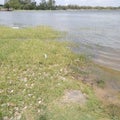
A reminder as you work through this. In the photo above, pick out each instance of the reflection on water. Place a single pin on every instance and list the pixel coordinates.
(97, 32)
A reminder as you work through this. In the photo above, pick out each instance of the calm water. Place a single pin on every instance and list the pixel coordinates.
(97, 33)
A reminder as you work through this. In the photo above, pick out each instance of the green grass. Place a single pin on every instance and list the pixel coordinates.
(35, 71)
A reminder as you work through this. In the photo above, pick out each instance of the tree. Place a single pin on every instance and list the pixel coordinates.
(51, 4)
(43, 5)
(7, 6)
(25, 1)
(14, 4)
(21, 4)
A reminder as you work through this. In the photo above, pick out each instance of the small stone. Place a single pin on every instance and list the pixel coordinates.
(25, 108)
(25, 79)
(45, 55)
(39, 102)
(32, 85)
(16, 108)
(38, 111)
(29, 95)
(1, 91)
(11, 91)
(59, 84)
(5, 118)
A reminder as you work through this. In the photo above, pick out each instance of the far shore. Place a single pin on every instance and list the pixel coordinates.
(68, 8)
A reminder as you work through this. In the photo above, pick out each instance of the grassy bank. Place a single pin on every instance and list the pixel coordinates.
(35, 72)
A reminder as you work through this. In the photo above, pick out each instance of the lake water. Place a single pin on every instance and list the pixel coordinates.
(96, 32)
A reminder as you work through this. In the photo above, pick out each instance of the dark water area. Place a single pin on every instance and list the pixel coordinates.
(96, 32)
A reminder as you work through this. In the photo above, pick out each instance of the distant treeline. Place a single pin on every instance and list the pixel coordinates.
(30, 5)
(46, 5)
(76, 7)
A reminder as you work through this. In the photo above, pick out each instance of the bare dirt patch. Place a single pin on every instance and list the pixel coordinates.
(107, 96)
(73, 96)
